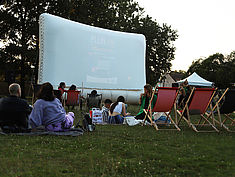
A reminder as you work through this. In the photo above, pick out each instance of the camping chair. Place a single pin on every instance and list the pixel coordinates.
(225, 108)
(166, 97)
(197, 104)
(94, 101)
(72, 98)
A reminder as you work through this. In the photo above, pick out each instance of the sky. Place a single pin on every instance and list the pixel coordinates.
(205, 27)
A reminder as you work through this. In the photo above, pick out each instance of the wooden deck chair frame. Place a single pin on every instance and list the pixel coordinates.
(192, 107)
(166, 97)
(72, 98)
(221, 122)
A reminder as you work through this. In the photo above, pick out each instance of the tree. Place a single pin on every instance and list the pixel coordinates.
(226, 72)
(217, 68)
(19, 30)
(159, 47)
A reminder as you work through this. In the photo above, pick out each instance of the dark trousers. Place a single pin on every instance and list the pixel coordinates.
(142, 116)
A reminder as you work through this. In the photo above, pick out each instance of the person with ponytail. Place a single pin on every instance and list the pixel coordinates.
(144, 101)
(117, 111)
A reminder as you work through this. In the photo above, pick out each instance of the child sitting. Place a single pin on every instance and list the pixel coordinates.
(105, 110)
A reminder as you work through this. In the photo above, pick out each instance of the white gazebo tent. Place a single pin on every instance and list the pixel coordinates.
(196, 80)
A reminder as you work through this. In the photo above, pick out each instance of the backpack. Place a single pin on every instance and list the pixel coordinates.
(87, 123)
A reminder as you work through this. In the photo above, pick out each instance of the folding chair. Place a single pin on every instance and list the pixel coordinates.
(94, 101)
(72, 98)
(225, 108)
(166, 97)
(197, 104)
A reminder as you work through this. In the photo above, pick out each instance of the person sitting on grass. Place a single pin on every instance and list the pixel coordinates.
(49, 112)
(117, 111)
(105, 110)
(14, 111)
(144, 101)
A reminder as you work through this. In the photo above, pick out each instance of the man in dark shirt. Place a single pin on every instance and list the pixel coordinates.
(14, 111)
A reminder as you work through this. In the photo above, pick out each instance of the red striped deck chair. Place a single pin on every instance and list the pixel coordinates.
(72, 98)
(166, 97)
(197, 104)
(224, 107)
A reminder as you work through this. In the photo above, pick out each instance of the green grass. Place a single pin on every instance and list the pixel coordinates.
(119, 150)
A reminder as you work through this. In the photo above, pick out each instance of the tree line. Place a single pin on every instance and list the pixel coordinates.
(19, 31)
(217, 68)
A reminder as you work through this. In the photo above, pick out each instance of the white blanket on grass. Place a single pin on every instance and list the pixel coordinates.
(131, 121)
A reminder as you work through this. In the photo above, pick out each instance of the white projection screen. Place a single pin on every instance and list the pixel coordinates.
(111, 62)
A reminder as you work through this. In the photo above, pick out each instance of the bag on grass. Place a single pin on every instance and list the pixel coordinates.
(87, 123)
(96, 116)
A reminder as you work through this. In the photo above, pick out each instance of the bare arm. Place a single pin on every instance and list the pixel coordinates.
(140, 100)
(124, 110)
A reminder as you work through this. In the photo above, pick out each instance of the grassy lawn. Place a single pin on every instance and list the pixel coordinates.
(119, 150)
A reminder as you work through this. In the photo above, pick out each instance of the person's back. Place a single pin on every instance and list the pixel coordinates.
(93, 100)
(117, 111)
(105, 110)
(118, 108)
(49, 112)
(14, 111)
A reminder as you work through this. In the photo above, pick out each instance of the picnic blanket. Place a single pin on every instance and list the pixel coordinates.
(72, 132)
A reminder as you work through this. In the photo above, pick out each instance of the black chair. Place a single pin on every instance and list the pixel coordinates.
(228, 106)
(94, 101)
(224, 106)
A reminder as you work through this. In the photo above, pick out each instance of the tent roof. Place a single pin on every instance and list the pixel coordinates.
(196, 80)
